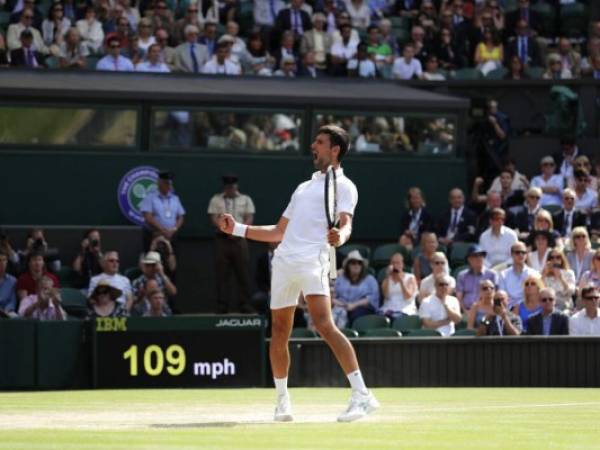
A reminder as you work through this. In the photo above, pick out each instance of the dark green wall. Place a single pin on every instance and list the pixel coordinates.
(81, 189)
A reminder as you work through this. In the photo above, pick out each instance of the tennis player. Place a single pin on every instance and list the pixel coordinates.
(301, 265)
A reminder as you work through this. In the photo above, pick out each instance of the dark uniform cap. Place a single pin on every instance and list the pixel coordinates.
(229, 179)
(166, 175)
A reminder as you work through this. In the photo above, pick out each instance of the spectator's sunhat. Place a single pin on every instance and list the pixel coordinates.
(355, 255)
(151, 258)
(226, 38)
(103, 287)
(547, 160)
(229, 178)
(476, 250)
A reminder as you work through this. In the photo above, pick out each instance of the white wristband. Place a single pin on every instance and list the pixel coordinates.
(239, 230)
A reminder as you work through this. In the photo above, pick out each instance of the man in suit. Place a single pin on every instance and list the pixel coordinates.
(532, 18)
(525, 219)
(317, 41)
(26, 56)
(458, 223)
(568, 217)
(191, 56)
(548, 322)
(524, 46)
(294, 19)
(407, 8)
(566, 157)
(308, 68)
(209, 38)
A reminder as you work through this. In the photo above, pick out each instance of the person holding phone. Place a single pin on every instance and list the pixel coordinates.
(399, 290)
(500, 322)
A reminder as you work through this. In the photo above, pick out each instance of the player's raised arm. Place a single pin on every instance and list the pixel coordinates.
(338, 236)
(265, 233)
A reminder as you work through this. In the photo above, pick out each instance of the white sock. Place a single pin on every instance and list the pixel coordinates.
(281, 386)
(356, 381)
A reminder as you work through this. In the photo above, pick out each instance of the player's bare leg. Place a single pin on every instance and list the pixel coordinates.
(282, 321)
(362, 401)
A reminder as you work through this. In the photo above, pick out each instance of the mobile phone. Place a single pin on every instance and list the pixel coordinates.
(497, 302)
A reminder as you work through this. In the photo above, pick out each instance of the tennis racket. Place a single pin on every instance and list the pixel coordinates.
(331, 214)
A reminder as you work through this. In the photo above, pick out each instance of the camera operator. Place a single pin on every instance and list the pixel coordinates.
(44, 304)
(490, 133)
(88, 261)
(501, 322)
(36, 243)
(164, 248)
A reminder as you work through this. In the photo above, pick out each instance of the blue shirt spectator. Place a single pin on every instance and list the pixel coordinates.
(467, 282)
(513, 278)
(113, 61)
(8, 296)
(162, 209)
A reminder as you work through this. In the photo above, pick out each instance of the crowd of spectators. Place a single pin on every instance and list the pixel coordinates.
(394, 39)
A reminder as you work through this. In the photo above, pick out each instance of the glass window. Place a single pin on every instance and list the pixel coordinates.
(396, 134)
(68, 126)
(247, 131)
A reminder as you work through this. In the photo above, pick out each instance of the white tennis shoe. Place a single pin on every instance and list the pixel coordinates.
(283, 410)
(360, 405)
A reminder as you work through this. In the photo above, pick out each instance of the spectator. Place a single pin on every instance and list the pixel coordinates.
(548, 321)
(489, 53)
(524, 46)
(492, 201)
(22, 6)
(113, 61)
(156, 305)
(221, 63)
(131, 12)
(422, 263)
(440, 311)
(380, 51)
(110, 274)
(287, 49)
(288, 67)
(308, 68)
(516, 69)
(294, 19)
(420, 44)
(72, 51)
(583, 162)
(90, 29)
(355, 289)
(8, 296)
(123, 32)
(36, 243)
(152, 269)
(526, 15)
(238, 46)
(457, 224)
(399, 290)
(153, 62)
(387, 37)
(550, 183)
(589, 65)
(317, 40)
(209, 38)
(167, 53)
(570, 59)
(133, 50)
(540, 249)
(512, 279)
(359, 13)
(361, 65)
(162, 210)
(501, 321)
(190, 18)
(342, 19)
(469, 281)
(232, 252)
(407, 8)
(594, 67)
(439, 264)
(164, 248)
(432, 72)
(14, 34)
(342, 51)
(103, 301)
(555, 69)
(484, 304)
(587, 321)
(415, 219)
(13, 256)
(508, 197)
(261, 298)
(585, 197)
(26, 55)
(145, 33)
(568, 217)
(497, 240)
(162, 17)
(543, 222)
(531, 299)
(581, 254)
(36, 269)
(519, 181)
(44, 304)
(566, 158)
(191, 56)
(265, 15)
(450, 55)
(591, 277)
(525, 219)
(88, 261)
(558, 276)
(55, 27)
(407, 67)
(257, 60)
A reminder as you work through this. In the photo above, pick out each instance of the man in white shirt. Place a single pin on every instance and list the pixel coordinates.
(265, 12)
(550, 183)
(441, 311)
(13, 34)
(512, 278)
(220, 64)
(587, 321)
(362, 66)
(110, 265)
(153, 63)
(407, 67)
(114, 61)
(301, 264)
(585, 197)
(498, 239)
(343, 50)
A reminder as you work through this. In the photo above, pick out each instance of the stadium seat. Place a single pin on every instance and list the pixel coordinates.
(67, 277)
(467, 74)
(402, 35)
(303, 333)
(552, 208)
(382, 332)
(465, 332)
(400, 22)
(458, 270)
(4, 18)
(132, 273)
(416, 251)
(364, 250)
(535, 72)
(349, 332)
(496, 74)
(463, 323)
(371, 321)
(91, 61)
(383, 253)
(404, 323)
(510, 5)
(573, 20)
(548, 15)
(74, 302)
(420, 332)
(52, 62)
(458, 254)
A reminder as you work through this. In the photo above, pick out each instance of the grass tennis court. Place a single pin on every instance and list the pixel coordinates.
(241, 419)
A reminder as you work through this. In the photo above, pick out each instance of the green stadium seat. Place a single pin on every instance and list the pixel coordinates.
(303, 333)
(382, 332)
(467, 74)
(510, 5)
(535, 72)
(4, 19)
(463, 323)
(496, 74)
(383, 253)
(132, 273)
(552, 208)
(573, 20)
(421, 332)
(74, 302)
(52, 62)
(370, 321)
(91, 61)
(458, 253)
(67, 277)
(548, 15)
(400, 22)
(364, 250)
(458, 270)
(465, 332)
(404, 323)
(349, 332)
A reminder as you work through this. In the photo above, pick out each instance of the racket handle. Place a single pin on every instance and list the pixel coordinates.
(332, 263)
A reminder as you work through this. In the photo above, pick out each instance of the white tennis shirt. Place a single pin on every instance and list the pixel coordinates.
(305, 237)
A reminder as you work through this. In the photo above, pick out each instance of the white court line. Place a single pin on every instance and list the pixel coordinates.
(489, 407)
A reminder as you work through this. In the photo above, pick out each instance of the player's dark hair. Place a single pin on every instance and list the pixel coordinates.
(337, 136)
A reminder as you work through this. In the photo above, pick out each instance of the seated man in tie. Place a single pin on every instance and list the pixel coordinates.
(26, 56)
(548, 321)
(568, 217)
(114, 61)
(524, 46)
(458, 223)
(525, 219)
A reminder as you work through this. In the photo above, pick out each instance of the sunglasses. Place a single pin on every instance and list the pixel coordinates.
(113, 260)
(529, 284)
(548, 164)
(533, 196)
(519, 252)
(578, 236)
(571, 199)
(498, 299)
(555, 257)
(592, 297)
(487, 288)
(546, 299)
(442, 284)
(438, 263)
(103, 292)
(28, 17)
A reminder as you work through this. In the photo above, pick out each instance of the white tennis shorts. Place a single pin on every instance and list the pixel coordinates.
(289, 279)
